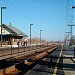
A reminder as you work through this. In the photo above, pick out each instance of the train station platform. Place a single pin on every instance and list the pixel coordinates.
(68, 61)
(60, 62)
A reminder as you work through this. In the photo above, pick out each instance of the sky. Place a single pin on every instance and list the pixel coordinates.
(46, 15)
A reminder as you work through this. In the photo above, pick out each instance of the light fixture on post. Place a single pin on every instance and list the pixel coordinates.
(1, 24)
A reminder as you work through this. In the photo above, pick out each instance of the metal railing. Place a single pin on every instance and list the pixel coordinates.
(16, 50)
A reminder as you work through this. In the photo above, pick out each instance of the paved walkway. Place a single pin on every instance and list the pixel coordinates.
(60, 62)
(68, 61)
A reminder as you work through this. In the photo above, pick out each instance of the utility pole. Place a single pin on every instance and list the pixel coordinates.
(71, 31)
(67, 36)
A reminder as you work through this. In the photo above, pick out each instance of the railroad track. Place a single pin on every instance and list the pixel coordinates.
(9, 60)
(5, 52)
(15, 58)
(26, 62)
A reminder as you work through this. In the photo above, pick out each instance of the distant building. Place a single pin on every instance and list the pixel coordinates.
(11, 35)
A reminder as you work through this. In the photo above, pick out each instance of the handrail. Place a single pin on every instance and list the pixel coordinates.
(15, 69)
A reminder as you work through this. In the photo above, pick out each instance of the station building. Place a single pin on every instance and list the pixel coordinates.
(11, 35)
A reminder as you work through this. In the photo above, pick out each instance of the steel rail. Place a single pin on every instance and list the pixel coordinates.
(23, 54)
(16, 69)
(33, 53)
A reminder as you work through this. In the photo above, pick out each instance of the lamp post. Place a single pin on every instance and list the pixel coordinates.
(73, 7)
(1, 24)
(40, 37)
(30, 34)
